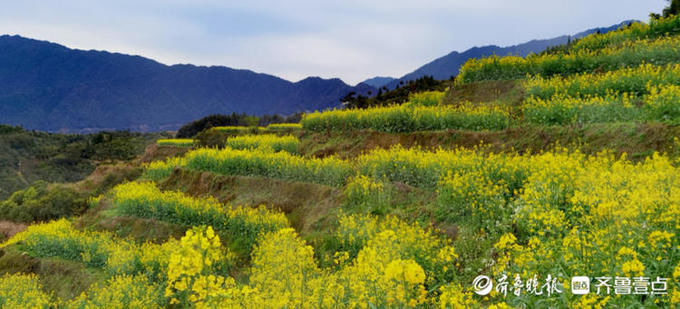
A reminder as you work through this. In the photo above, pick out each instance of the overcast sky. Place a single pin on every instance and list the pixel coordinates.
(293, 39)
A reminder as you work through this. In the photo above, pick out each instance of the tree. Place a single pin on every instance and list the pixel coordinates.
(251, 121)
(673, 8)
(397, 96)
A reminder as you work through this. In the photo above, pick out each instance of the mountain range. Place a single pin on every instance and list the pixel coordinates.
(378, 81)
(447, 66)
(50, 87)
(47, 86)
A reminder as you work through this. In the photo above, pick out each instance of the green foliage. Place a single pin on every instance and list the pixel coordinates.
(655, 29)
(661, 104)
(366, 195)
(251, 121)
(40, 203)
(211, 138)
(565, 111)
(175, 142)
(271, 142)
(22, 291)
(428, 98)
(284, 128)
(122, 292)
(634, 81)
(407, 118)
(398, 95)
(474, 200)
(628, 54)
(672, 9)
(158, 170)
(191, 129)
(264, 163)
(118, 145)
(29, 156)
(240, 223)
(195, 127)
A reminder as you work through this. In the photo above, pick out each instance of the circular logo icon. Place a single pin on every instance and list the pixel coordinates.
(482, 285)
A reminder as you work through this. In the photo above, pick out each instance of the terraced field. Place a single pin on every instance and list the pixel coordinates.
(403, 206)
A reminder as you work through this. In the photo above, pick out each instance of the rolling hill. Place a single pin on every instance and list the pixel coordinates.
(447, 66)
(378, 81)
(50, 87)
(499, 176)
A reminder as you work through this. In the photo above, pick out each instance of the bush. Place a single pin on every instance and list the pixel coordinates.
(38, 203)
(193, 128)
(210, 139)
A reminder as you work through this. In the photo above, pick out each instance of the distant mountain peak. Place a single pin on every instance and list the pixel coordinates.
(378, 81)
(447, 66)
(51, 87)
(319, 79)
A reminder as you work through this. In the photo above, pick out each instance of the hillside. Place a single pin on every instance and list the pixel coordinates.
(30, 156)
(378, 81)
(530, 171)
(447, 66)
(47, 86)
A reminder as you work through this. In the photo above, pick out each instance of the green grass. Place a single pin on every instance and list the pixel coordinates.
(66, 279)
(623, 137)
(28, 156)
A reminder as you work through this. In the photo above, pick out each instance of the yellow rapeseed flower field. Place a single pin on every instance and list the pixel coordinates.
(410, 118)
(176, 142)
(533, 219)
(272, 142)
(661, 51)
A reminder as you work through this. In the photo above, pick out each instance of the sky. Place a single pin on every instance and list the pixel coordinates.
(349, 39)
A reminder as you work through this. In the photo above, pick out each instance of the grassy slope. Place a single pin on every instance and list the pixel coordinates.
(637, 140)
(65, 279)
(313, 209)
(27, 156)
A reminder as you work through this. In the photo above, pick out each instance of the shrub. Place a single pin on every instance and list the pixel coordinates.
(40, 203)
